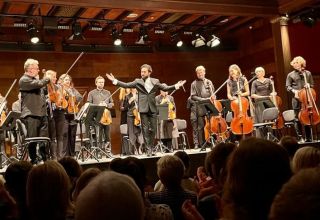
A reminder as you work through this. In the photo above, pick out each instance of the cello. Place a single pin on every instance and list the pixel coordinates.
(309, 114)
(276, 100)
(241, 123)
(218, 124)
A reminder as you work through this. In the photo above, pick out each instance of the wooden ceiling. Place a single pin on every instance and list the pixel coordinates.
(221, 17)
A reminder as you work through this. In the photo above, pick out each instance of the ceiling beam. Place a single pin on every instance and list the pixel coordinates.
(293, 6)
(187, 6)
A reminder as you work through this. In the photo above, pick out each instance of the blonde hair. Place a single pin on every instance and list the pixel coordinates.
(235, 67)
(50, 72)
(259, 69)
(98, 77)
(200, 68)
(30, 62)
(300, 60)
(305, 157)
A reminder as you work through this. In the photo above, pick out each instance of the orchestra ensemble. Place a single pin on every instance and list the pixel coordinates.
(50, 107)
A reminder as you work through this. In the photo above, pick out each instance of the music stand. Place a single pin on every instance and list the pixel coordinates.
(85, 112)
(93, 118)
(206, 108)
(162, 115)
(8, 124)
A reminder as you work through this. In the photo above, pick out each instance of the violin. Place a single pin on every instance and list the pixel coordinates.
(276, 100)
(241, 123)
(309, 114)
(106, 118)
(136, 114)
(171, 108)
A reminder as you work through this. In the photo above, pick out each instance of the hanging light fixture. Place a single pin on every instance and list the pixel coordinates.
(215, 41)
(176, 39)
(33, 33)
(76, 32)
(116, 37)
(143, 35)
(199, 41)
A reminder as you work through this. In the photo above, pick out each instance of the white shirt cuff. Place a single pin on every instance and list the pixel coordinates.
(115, 82)
(176, 86)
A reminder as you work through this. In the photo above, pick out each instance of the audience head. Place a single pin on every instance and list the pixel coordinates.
(16, 177)
(184, 157)
(290, 144)
(216, 161)
(256, 171)
(170, 170)
(116, 164)
(305, 157)
(48, 192)
(299, 198)
(110, 196)
(83, 180)
(73, 169)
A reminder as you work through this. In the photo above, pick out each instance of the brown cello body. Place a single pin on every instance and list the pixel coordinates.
(241, 123)
(279, 123)
(218, 123)
(308, 114)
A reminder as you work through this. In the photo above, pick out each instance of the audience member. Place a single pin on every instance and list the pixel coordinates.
(111, 196)
(83, 180)
(8, 207)
(305, 157)
(291, 144)
(48, 192)
(256, 171)
(299, 198)
(16, 176)
(170, 170)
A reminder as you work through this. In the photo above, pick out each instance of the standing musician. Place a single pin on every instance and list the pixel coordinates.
(147, 88)
(123, 111)
(236, 79)
(16, 105)
(33, 105)
(166, 126)
(191, 105)
(261, 90)
(70, 126)
(201, 90)
(294, 83)
(133, 122)
(101, 96)
(57, 110)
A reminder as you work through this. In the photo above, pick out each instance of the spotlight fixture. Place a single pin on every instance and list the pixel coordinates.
(33, 33)
(143, 35)
(176, 38)
(199, 41)
(215, 41)
(76, 32)
(116, 37)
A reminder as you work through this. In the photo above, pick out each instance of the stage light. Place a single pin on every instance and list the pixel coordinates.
(76, 32)
(199, 41)
(176, 39)
(143, 35)
(215, 41)
(116, 37)
(33, 33)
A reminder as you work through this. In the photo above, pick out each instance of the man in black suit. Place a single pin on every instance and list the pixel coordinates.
(147, 88)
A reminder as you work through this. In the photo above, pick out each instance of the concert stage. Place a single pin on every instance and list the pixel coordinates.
(196, 159)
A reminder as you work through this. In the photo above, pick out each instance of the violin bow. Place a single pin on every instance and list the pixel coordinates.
(80, 55)
(5, 97)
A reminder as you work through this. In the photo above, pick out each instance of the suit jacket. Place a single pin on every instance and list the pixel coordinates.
(146, 101)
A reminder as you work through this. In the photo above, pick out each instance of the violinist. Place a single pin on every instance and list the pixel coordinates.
(133, 122)
(70, 126)
(33, 105)
(101, 96)
(165, 127)
(147, 88)
(201, 90)
(123, 111)
(261, 90)
(56, 112)
(16, 105)
(294, 83)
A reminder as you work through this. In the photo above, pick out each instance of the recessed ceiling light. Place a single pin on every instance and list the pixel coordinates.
(224, 21)
(132, 15)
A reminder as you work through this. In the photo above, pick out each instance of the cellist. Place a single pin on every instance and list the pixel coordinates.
(201, 90)
(101, 96)
(294, 83)
(261, 90)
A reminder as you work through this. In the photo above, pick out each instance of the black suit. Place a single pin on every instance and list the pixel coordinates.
(147, 106)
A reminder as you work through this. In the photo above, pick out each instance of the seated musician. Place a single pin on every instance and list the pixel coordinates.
(134, 122)
(294, 83)
(261, 89)
(166, 127)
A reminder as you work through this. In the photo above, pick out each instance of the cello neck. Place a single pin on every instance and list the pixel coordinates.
(273, 96)
(239, 96)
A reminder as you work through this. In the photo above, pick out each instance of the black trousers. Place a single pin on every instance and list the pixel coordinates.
(69, 136)
(36, 127)
(149, 128)
(56, 127)
(296, 106)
